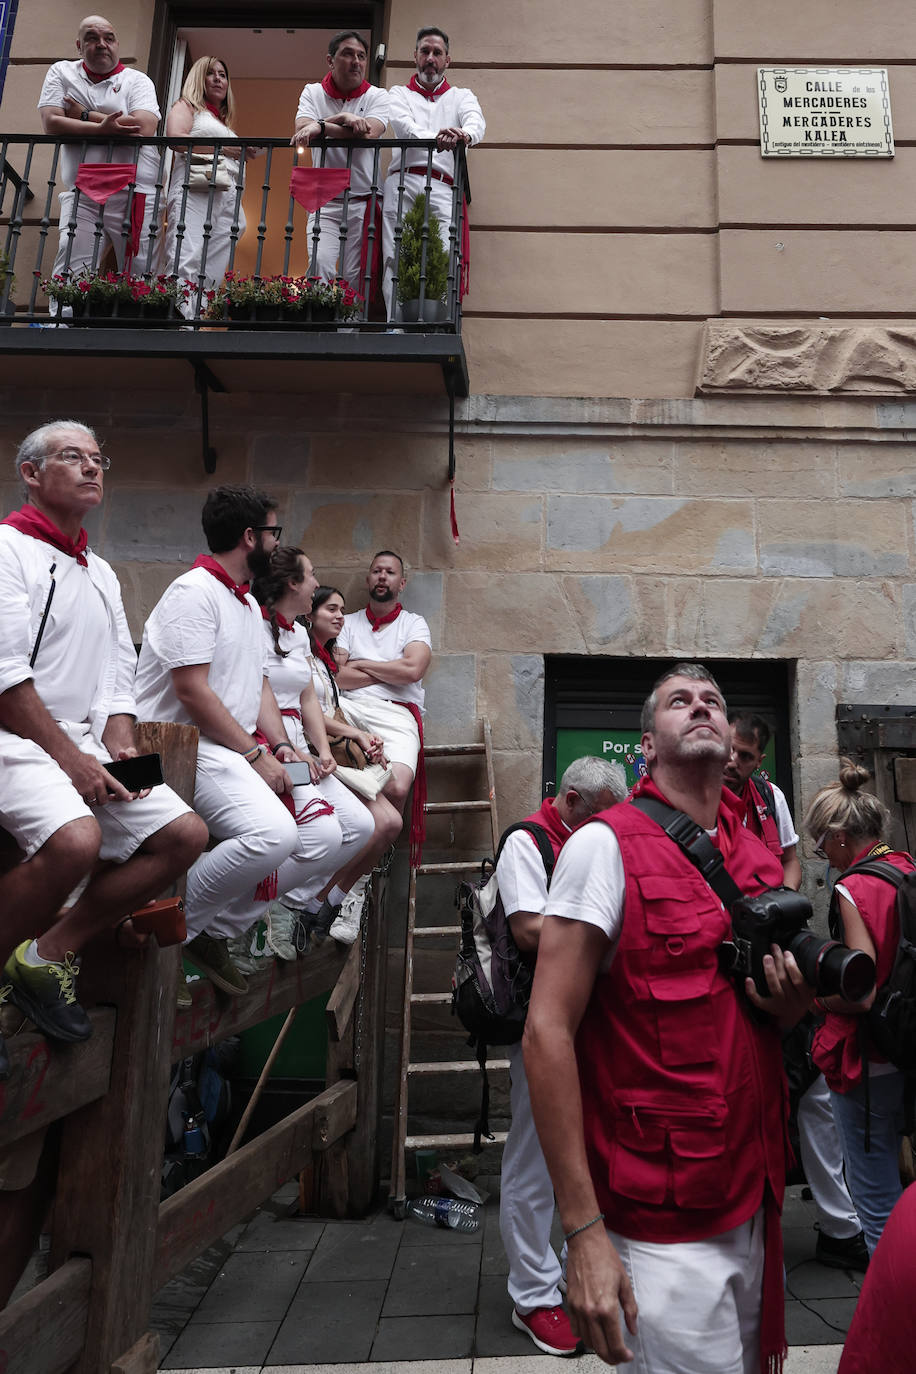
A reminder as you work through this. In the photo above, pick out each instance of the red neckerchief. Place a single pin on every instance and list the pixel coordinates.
(329, 88)
(549, 817)
(280, 619)
(434, 94)
(377, 621)
(321, 653)
(95, 78)
(216, 113)
(30, 520)
(219, 572)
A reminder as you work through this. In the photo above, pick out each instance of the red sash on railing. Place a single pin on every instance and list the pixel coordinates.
(100, 180)
(313, 187)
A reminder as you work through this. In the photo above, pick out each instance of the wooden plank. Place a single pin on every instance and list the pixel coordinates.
(446, 751)
(438, 930)
(342, 1000)
(213, 1018)
(430, 1068)
(111, 1154)
(364, 1145)
(466, 866)
(447, 807)
(141, 1358)
(48, 1081)
(43, 1332)
(202, 1212)
(178, 746)
(451, 1142)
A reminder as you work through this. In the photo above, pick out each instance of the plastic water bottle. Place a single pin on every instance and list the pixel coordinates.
(445, 1211)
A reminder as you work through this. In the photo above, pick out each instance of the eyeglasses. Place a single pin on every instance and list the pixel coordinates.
(819, 852)
(75, 455)
(275, 530)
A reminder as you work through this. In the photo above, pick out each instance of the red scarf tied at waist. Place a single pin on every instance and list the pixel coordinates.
(216, 570)
(29, 520)
(100, 180)
(330, 89)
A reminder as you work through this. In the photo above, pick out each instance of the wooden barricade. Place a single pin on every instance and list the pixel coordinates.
(113, 1245)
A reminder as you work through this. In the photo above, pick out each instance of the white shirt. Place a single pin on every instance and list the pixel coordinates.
(413, 116)
(521, 875)
(784, 823)
(85, 665)
(289, 676)
(588, 882)
(315, 103)
(359, 640)
(123, 92)
(198, 620)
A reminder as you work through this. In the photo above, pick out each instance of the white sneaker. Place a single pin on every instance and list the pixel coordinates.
(346, 928)
(280, 926)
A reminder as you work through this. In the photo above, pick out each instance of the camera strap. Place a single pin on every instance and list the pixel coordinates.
(694, 842)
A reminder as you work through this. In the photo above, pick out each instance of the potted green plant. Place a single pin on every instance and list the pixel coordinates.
(116, 296)
(410, 264)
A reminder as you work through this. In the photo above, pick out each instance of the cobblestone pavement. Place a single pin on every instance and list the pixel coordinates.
(286, 1294)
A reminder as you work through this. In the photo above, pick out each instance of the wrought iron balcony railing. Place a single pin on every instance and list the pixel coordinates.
(168, 233)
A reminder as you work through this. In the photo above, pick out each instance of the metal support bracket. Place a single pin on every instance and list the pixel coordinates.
(206, 381)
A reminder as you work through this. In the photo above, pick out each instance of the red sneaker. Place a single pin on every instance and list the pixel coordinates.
(550, 1330)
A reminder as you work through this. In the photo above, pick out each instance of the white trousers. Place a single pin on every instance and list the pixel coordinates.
(336, 257)
(440, 201)
(256, 833)
(190, 249)
(356, 828)
(699, 1302)
(526, 1203)
(84, 224)
(822, 1160)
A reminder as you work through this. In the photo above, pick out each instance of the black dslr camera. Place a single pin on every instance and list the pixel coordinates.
(780, 916)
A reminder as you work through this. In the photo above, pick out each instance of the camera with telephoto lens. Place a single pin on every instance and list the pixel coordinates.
(780, 917)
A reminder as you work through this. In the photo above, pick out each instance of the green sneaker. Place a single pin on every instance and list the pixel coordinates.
(243, 956)
(46, 994)
(211, 956)
(281, 924)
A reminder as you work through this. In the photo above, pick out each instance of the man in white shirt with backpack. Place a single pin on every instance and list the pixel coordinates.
(526, 1207)
(427, 107)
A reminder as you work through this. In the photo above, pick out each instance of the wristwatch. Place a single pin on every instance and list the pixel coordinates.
(321, 127)
(84, 116)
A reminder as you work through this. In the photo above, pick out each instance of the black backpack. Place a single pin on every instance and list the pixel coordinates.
(890, 1022)
(491, 984)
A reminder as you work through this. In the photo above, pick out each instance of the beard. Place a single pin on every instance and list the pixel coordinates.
(258, 562)
(383, 594)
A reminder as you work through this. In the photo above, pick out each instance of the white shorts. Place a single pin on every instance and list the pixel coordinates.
(37, 798)
(699, 1302)
(393, 722)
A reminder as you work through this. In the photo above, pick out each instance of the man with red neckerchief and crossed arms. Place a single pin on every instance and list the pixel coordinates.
(343, 105)
(383, 653)
(428, 107)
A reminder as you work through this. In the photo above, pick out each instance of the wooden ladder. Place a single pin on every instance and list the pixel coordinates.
(411, 1069)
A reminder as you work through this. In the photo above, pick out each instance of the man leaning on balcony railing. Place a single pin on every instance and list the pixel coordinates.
(343, 105)
(97, 99)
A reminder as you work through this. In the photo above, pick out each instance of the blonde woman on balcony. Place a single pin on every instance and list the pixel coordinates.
(206, 109)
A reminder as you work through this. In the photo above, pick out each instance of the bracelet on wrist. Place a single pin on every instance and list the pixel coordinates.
(584, 1227)
(281, 744)
(254, 753)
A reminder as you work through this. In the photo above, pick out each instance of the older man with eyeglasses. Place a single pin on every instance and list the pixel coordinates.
(66, 710)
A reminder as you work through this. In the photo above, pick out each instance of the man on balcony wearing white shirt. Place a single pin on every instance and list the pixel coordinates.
(427, 107)
(96, 98)
(343, 105)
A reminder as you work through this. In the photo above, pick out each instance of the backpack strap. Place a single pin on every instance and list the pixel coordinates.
(878, 868)
(541, 839)
(765, 789)
(693, 840)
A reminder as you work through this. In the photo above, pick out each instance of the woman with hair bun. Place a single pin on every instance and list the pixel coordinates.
(848, 826)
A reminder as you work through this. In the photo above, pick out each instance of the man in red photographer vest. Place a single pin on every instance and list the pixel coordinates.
(766, 811)
(658, 1092)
